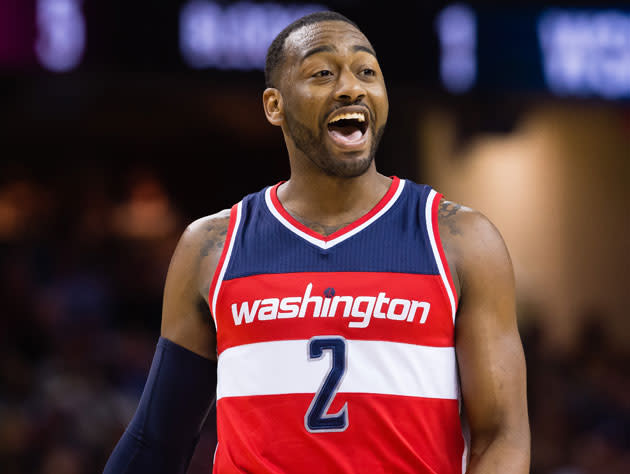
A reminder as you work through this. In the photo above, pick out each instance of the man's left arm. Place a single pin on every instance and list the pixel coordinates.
(489, 349)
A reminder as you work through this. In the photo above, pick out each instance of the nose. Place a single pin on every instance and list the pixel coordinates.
(349, 87)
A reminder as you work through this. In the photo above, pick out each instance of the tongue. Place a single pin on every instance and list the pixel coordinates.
(346, 136)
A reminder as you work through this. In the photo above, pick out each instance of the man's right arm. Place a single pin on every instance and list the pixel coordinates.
(186, 318)
(181, 385)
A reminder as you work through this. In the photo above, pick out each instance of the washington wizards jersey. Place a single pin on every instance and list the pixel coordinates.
(336, 354)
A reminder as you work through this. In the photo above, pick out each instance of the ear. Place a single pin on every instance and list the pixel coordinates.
(273, 105)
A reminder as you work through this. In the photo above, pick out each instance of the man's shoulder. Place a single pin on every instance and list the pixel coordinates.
(217, 219)
(456, 218)
(207, 234)
(465, 226)
(463, 221)
(199, 250)
(470, 237)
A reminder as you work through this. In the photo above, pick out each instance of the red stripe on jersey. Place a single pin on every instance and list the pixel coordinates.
(298, 225)
(396, 307)
(438, 242)
(385, 434)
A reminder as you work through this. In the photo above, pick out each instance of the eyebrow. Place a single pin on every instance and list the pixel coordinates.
(331, 49)
(360, 47)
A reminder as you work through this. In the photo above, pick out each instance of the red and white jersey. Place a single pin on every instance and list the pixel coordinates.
(336, 354)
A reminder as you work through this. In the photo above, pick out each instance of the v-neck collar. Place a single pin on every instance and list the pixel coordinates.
(326, 242)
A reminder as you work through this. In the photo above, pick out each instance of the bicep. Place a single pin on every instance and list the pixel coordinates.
(186, 318)
(489, 349)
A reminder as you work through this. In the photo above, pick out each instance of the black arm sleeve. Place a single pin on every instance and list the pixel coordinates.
(164, 431)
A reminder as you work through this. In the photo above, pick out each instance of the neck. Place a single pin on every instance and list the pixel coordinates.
(332, 201)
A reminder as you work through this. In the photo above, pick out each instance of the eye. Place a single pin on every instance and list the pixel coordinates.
(323, 73)
(368, 72)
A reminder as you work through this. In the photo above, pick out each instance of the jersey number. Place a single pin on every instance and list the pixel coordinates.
(316, 419)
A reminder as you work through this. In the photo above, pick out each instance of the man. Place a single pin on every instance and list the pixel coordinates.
(358, 317)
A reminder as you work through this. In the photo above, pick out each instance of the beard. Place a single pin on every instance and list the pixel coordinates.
(312, 145)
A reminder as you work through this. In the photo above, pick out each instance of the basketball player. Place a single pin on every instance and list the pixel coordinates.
(361, 323)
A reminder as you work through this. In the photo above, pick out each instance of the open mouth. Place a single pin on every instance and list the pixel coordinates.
(348, 128)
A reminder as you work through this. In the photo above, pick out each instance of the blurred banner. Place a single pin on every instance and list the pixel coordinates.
(559, 50)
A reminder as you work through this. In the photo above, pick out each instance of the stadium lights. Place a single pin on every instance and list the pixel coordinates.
(61, 34)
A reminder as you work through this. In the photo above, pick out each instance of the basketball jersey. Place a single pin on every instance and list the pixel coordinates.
(336, 354)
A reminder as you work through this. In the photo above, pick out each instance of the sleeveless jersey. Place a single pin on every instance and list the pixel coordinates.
(336, 354)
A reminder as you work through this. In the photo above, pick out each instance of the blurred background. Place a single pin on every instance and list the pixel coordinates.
(121, 122)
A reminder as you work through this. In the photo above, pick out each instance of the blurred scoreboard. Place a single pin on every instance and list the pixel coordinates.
(567, 51)
(66, 35)
(460, 48)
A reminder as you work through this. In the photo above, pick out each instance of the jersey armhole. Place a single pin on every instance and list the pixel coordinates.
(224, 260)
(432, 208)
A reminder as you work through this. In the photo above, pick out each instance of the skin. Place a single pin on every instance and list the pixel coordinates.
(331, 187)
(489, 350)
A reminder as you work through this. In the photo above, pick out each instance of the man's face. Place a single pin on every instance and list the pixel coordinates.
(335, 100)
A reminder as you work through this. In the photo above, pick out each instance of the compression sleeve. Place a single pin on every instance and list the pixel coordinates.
(175, 402)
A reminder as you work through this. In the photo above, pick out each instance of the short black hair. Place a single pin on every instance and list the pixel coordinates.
(275, 52)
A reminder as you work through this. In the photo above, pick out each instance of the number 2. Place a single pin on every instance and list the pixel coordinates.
(316, 419)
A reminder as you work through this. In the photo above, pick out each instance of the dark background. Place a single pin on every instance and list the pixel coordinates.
(103, 166)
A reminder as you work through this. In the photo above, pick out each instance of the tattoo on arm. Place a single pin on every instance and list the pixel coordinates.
(446, 212)
(215, 236)
(448, 208)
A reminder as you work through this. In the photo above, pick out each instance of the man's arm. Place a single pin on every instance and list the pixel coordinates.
(181, 385)
(489, 350)
(186, 318)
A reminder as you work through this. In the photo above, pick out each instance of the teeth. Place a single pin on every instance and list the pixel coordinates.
(350, 116)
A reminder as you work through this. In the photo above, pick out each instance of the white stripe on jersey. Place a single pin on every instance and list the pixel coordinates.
(392, 368)
(436, 252)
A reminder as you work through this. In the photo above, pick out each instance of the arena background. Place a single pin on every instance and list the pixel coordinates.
(121, 122)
